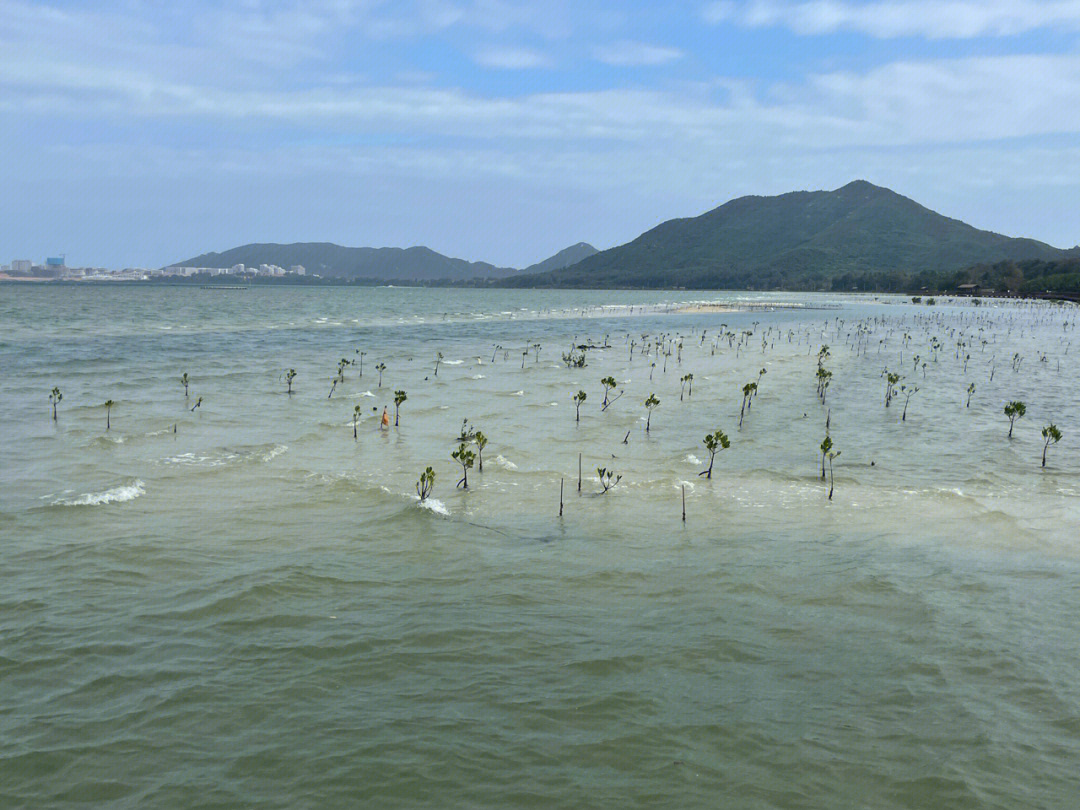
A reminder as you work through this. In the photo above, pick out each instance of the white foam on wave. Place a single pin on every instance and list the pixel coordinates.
(692, 459)
(366, 394)
(505, 463)
(274, 452)
(452, 362)
(477, 377)
(433, 505)
(517, 394)
(120, 494)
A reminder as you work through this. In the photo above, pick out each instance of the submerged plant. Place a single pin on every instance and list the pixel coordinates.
(1015, 410)
(651, 403)
(438, 359)
(109, 404)
(425, 484)
(198, 403)
(608, 478)
(467, 434)
(54, 399)
(465, 457)
(908, 394)
(184, 382)
(714, 443)
(290, 375)
(747, 395)
(686, 379)
(608, 383)
(579, 397)
(1051, 435)
(970, 391)
(832, 454)
(399, 397)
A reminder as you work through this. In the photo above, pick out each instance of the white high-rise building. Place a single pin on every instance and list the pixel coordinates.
(21, 266)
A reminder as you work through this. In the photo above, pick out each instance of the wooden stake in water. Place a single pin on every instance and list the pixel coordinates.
(684, 503)
(579, 473)
(561, 482)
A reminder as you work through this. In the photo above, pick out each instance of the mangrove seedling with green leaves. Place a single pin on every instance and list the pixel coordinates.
(686, 379)
(714, 443)
(361, 361)
(826, 446)
(54, 399)
(1015, 410)
(355, 419)
(399, 397)
(184, 382)
(467, 434)
(1051, 435)
(290, 375)
(608, 478)
(651, 404)
(747, 394)
(608, 383)
(970, 391)
(579, 397)
(465, 457)
(891, 380)
(380, 368)
(481, 443)
(108, 416)
(198, 403)
(438, 359)
(425, 484)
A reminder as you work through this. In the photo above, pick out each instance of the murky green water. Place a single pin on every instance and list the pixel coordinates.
(253, 610)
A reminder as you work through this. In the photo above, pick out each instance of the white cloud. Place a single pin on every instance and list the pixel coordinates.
(933, 19)
(512, 58)
(625, 54)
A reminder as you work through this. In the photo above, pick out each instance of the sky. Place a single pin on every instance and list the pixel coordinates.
(143, 132)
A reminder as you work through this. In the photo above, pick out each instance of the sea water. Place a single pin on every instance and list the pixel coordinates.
(242, 605)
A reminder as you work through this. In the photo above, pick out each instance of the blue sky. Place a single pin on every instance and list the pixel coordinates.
(139, 132)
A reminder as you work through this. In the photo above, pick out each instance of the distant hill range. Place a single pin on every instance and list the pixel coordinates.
(348, 263)
(860, 236)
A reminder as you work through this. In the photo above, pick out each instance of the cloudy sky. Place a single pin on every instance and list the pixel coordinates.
(139, 132)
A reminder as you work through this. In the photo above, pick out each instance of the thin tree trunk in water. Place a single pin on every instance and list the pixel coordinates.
(830, 479)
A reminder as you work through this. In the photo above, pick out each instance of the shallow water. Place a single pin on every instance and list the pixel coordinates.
(253, 611)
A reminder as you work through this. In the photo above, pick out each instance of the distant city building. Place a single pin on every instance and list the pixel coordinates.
(298, 269)
(21, 266)
(55, 261)
(236, 268)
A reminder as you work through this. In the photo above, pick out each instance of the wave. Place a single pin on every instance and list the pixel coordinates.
(477, 377)
(452, 362)
(692, 459)
(118, 494)
(433, 505)
(500, 461)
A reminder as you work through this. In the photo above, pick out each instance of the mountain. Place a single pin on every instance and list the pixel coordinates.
(860, 236)
(334, 261)
(564, 258)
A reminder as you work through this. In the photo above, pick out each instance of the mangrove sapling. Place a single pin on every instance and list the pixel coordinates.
(1050, 434)
(608, 383)
(438, 359)
(891, 380)
(399, 397)
(495, 351)
(108, 415)
(686, 378)
(1015, 410)
(198, 403)
(467, 434)
(970, 391)
(333, 386)
(465, 457)
(341, 366)
(908, 394)
(361, 361)
(425, 484)
(579, 397)
(481, 443)
(355, 419)
(714, 443)
(651, 403)
(290, 375)
(605, 475)
(832, 454)
(184, 382)
(826, 446)
(747, 393)
(380, 368)
(54, 399)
